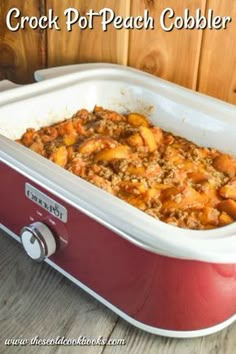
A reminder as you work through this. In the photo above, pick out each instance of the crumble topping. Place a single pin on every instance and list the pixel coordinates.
(166, 176)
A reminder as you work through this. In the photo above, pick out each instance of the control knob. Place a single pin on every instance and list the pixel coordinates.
(38, 241)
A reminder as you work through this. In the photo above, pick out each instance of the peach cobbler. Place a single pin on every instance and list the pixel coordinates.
(166, 176)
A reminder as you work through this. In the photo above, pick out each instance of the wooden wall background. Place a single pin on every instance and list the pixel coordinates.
(201, 60)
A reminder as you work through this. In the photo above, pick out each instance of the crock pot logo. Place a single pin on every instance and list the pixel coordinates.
(45, 202)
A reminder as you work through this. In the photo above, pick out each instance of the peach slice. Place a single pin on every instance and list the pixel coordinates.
(225, 219)
(148, 138)
(59, 156)
(119, 152)
(229, 207)
(229, 190)
(138, 120)
(225, 163)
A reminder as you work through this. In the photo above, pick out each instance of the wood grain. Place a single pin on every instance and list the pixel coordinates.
(217, 74)
(21, 52)
(203, 60)
(173, 55)
(37, 300)
(139, 342)
(87, 45)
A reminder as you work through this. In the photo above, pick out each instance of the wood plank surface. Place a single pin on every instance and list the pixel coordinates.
(217, 74)
(38, 301)
(79, 46)
(21, 52)
(203, 60)
(173, 55)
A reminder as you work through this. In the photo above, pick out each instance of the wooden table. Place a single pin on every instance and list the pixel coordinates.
(37, 301)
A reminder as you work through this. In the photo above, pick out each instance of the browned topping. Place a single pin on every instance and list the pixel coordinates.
(168, 177)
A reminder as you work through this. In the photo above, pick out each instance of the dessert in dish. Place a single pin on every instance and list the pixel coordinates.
(166, 176)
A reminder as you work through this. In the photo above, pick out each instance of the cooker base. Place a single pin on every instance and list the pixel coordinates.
(140, 325)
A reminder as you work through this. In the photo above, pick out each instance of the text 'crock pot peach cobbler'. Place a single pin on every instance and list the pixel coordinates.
(168, 177)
